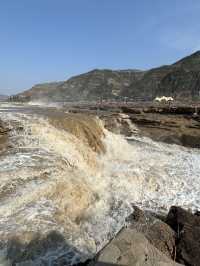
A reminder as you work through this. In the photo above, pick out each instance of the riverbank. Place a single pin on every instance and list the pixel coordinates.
(176, 124)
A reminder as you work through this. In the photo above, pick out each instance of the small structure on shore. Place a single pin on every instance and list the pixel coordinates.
(164, 100)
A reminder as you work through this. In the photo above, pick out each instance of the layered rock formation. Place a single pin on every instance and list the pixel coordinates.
(177, 124)
(180, 80)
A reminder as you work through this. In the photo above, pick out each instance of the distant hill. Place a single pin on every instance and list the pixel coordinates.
(180, 80)
(3, 97)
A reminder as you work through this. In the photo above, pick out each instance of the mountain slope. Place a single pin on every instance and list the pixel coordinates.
(180, 80)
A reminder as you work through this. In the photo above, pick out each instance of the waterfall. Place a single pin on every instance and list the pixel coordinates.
(66, 173)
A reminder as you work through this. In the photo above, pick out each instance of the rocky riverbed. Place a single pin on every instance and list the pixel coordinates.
(176, 124)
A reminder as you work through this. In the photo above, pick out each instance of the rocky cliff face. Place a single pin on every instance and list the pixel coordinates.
(97, 84)
(94, 85)
(180, 80)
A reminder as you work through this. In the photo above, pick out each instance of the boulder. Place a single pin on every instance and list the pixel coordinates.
(187, 226)
(159, 234)
(132, 248)
(177, 218)
(190, 140)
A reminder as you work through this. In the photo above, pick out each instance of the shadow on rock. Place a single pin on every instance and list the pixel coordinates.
(52, 250)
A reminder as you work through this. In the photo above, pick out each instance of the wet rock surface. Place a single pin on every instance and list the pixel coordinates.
(119, 124)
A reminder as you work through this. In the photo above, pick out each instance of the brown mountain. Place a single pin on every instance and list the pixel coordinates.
(180, 80)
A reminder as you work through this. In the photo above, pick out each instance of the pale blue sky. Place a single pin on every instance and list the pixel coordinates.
(49, 40)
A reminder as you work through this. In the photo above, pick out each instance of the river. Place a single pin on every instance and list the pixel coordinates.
(70, 184)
